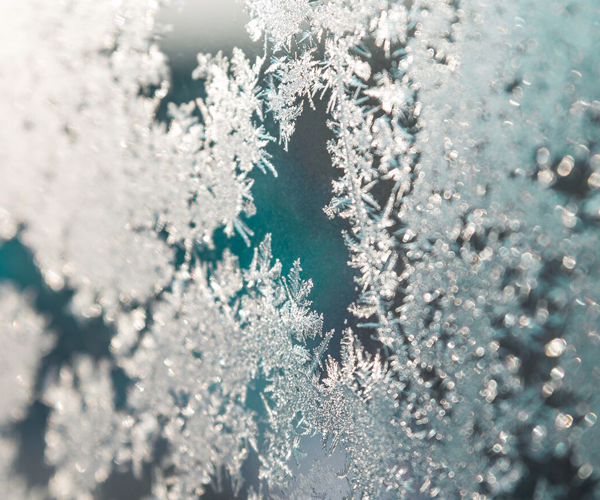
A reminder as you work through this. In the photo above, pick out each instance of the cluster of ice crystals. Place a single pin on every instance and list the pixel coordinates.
(82, 453)
(466, 135)
(105, 196)
(99, 179)
(25, 342)
(71, 126)
(477, 246)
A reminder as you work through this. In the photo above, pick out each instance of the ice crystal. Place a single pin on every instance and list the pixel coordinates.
(82, 453)
(466, 139)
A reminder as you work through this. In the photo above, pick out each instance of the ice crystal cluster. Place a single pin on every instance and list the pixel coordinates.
(466, 141)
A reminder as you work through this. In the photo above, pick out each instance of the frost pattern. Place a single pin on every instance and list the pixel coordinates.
(25, 340)
(470, 213)
(82, 453)
(113, 179)
(466, 135)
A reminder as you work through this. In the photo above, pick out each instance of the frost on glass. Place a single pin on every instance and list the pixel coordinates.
(465, 137)
(25, 341)
(467, 151)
